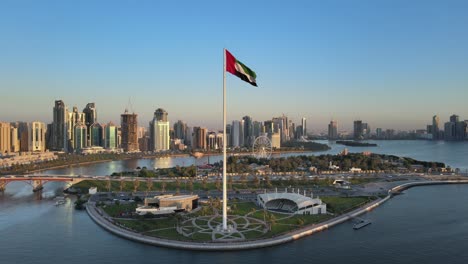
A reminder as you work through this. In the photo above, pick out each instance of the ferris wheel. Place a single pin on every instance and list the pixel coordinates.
(262, 148)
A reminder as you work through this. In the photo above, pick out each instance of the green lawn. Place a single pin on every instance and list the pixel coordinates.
(165, 227)
(116, 210)
(147, 225)
(340, 205)
(128, 186)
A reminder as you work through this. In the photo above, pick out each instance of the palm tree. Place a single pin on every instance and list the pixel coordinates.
(204, 184)
(149, 185)
(122, 184)
(218, 184)
(136, 184)
(191, 185)
(108, 185)
(271, 220)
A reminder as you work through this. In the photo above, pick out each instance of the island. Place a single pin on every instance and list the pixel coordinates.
(350, 143)
(271, 201)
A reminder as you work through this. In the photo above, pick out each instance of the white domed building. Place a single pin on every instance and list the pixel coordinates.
(291, 203)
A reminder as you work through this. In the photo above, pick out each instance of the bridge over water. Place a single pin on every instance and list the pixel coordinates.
(38, 181)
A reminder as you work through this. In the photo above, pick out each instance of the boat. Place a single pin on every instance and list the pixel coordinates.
(361, 223)
(197, 155)
(59, 202)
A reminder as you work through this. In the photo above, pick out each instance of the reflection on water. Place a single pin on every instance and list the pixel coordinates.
(452, 153)
(417, 227)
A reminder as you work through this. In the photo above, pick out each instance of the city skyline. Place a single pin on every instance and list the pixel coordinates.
(342, 61)
(341, 127)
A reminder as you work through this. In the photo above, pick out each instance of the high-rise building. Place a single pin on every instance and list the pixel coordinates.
(73, 119)
(435, 128)
(235, 134)
(199, 138)
(304, 127)
(379, 133)
(211, 140)
(24, 136)
(449, 131)
(219, 140)
(97, 135)
(248, 131)
(160, 114)
(292, 130)
(129, 131)
(228, 136)
(460, 130)
(358, 129)
(90, 118)
(5, 138)
(275, 140)
(159, 131)
(241, 133)
(179, 130)
(429, 129)
(333, 130)
(111, 136)
(269, 127)
(281, 125)
(59, 126)
(454, 118)
(14, 139)
(188, 136)
(142, 132)
(257, 129)
(366, 130)
(298, 132)
(37, 137)
(455, 130)
(49, 139)
(80, 139)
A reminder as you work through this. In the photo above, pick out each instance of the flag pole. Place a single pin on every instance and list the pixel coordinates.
(224, 145)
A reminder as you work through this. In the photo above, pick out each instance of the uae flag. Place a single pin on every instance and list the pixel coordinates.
(239, 69)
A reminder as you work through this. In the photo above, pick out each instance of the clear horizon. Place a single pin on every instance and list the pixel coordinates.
(391, 64)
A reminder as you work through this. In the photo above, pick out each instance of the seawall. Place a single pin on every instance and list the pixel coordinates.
(261, 243)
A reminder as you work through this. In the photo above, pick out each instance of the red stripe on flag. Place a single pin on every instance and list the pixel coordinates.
(230, 63)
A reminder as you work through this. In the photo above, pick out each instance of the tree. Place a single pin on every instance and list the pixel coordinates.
(108, 185)
(190, 185)
(300, 221)
(230, 182)
(267, 181)
(218, 184)
(271, 220)
(122, 184)
(177, 182)
(204, 184)
(256, 181)
(243, 179)
(136, 184)
(149, 185)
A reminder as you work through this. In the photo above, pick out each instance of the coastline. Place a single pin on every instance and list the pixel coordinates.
(261, 243)
(70, 165)
(158, 156)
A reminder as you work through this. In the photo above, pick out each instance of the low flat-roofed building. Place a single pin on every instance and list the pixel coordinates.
(167, 204)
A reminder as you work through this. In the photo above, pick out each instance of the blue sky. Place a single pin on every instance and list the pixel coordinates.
(390, 63)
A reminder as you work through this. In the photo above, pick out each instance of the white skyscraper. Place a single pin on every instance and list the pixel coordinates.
(37, 139)
(304, 127)
(159, 131)
(235, 133)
